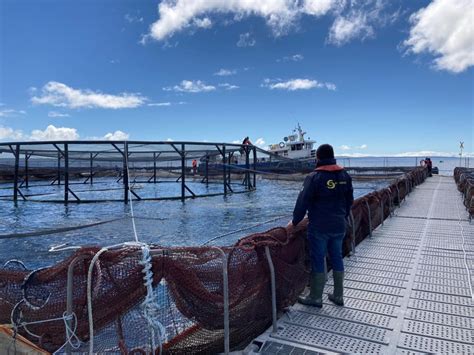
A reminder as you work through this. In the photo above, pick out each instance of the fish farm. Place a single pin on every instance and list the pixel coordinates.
(408, 252)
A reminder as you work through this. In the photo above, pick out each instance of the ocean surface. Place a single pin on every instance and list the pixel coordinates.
(29, 230)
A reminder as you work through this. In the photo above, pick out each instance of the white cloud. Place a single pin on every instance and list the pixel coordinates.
(228, 86)
(345, 147)
(191, 86)
(8, 112)
(260, 142)
(117, 136)
(318, 7)
(246, 40)
(225, 72)
(346, 28)
(61, 95)
(293, 58)
(363, 146)
(10, 133)
(203, 23)
(445, 29)
(176, 15)
(169, 139)
(297, 84)
(55, 114)
(54, 133)
(160, 104)
(131, 18)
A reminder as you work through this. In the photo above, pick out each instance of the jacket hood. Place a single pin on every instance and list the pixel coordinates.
(328, 165)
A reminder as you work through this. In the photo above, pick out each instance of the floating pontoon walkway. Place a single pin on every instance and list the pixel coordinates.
(408, 288)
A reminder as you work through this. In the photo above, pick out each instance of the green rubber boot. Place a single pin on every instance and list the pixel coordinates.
(337, 297)
(315, 297)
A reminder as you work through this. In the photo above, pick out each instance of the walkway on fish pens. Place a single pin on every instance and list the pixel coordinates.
(408, 288)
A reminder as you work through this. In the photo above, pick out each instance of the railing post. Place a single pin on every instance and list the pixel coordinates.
(273, 289)
(351, 215)
(382, 215)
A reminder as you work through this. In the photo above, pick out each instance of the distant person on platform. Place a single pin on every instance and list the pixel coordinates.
(429, 165)
(327, 196)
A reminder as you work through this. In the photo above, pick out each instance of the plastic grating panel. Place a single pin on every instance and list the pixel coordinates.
(443, 275)
(391, 243)
(328, 341)
(440, 318)
(373, 266)
(275, 348)
(388, 256)
(351, 315)
(389, 290)
(409, 352)
(368, 306)
(439, 297)
(375, 273)
(442, 281)
(389, 250)
(375, 280)
(440, 268)
(382, 260)
(442, 308)
(442, 289)
(371, 296)
(360, 331)
(443, 261)
(431, 345)
(439, 331)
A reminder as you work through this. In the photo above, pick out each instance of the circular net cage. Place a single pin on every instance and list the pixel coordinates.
(95, 171)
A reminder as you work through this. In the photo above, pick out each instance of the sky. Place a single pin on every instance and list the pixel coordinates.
(374, 77)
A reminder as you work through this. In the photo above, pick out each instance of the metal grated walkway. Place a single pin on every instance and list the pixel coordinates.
(408, 289)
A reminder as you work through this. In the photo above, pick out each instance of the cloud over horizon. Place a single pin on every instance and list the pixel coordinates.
(60, 95)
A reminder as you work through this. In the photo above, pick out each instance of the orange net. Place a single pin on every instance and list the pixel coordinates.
(187, 282)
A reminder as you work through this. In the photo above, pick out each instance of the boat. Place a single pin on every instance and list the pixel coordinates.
(294, 153)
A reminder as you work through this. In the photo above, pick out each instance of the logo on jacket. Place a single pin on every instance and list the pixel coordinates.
(330, 184)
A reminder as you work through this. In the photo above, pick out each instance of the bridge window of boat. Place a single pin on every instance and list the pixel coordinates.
(297, 147)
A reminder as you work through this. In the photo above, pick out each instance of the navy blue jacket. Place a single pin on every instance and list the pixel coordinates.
(327, 195)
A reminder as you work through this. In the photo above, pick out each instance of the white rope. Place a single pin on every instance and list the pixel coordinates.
(89, 298)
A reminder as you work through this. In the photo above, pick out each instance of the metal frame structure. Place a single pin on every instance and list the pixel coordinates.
(129, 154)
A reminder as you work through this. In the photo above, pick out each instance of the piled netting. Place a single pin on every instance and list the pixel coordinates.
(464, 178)
(188, 286)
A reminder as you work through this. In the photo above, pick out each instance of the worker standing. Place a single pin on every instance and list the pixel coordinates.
(195, 165)
(327, 196)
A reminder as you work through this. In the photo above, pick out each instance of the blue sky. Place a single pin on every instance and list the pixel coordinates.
(371, 77)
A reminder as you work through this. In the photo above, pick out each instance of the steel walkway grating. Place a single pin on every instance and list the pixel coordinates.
(407, 288)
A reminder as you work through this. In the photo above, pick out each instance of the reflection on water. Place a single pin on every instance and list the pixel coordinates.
(160, 222)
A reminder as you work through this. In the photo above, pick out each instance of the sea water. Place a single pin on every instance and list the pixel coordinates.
(30, 229)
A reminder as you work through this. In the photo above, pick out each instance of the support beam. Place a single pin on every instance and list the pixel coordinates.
(254, 167)
(154, 168)
(125, 172)
(224, 170)
(91, 169)
(59, 169)
(66, 173)
(15, 177)
(183, 172)
(248, 184)
(27, 157)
